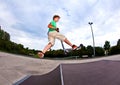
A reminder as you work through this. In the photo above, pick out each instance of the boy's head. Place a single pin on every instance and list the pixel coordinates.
(56, 18)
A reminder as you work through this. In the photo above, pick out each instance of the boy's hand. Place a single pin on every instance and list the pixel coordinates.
(57, 29)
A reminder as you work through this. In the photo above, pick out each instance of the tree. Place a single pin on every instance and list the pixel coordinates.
(4, 35)
(12, 47)
(118, 43)
(89, 50)
(83, 50)
(99, 51)
(115, 50)
(107, 47)
(7, 36)
(55, 53)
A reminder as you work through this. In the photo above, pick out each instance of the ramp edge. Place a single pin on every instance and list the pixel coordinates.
(61, 75)
(22, 80)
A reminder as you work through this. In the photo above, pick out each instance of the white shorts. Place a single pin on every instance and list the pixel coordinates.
(55, 35)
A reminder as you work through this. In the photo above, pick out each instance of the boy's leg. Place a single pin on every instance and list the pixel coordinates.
(63, 38)
(47, 47)
(68, 42)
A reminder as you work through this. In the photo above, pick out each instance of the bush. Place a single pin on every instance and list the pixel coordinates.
(55, 53)
(115, 50)
(99, 51)
(89, 51)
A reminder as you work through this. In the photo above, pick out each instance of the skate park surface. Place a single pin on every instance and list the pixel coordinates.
(15, 67)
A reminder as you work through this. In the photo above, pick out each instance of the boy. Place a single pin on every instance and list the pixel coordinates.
(53, 33)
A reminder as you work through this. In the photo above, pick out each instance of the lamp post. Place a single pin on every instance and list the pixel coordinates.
(90, 23)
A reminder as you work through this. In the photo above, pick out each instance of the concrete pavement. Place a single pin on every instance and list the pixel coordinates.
(15, 67)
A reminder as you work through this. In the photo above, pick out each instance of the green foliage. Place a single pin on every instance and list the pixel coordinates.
(55, 53)
(89, 50)
(118, 43)
(107, 45)
(8, 46)
(83, 51)
(12, 47)
(4, 35)
(99, 51)
(115, 50)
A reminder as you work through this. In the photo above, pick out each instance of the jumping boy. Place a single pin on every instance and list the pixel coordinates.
(53, 33)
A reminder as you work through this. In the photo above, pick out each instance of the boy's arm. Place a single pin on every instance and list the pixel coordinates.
(50, 26)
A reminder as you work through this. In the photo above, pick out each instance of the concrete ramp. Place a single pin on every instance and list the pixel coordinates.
(52, 78)
(103, 72)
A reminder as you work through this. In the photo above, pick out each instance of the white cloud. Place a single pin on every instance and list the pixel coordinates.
(27, 22)
(6, 17)
(28, 40)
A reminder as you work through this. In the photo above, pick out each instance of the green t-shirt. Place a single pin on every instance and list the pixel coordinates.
(53, 23)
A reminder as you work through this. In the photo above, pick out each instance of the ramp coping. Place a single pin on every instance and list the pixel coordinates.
(22, 80)
(61, 74)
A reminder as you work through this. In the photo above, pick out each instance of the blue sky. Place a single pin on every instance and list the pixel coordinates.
(27, 20)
